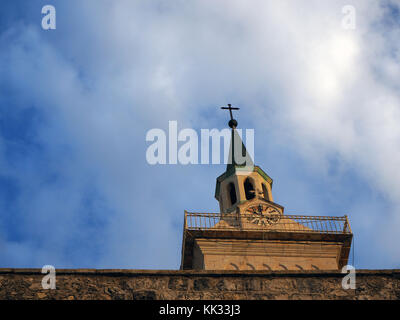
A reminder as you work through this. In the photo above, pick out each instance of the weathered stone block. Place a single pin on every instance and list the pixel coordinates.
(184, 285)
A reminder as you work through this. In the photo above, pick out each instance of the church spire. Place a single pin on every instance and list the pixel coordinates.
(251, 231)
(238, 155)
(242, 183)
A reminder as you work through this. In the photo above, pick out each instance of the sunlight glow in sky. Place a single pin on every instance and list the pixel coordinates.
(76, 104)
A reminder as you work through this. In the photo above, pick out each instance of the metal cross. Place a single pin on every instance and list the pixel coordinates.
(230, 110)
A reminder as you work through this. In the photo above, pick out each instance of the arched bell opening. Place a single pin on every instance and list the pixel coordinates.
(249, 189)
(265, 192)
(232, 193)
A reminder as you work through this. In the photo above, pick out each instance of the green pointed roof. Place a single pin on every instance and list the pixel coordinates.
(238, 158)
(237, 162)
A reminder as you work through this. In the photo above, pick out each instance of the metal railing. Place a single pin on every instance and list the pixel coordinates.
(276, 223)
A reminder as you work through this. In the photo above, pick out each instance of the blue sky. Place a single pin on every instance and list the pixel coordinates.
(76, 104)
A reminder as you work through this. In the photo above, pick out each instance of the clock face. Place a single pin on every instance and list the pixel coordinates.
(262, 214)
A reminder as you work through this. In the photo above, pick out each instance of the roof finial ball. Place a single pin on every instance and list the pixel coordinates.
(232, 123)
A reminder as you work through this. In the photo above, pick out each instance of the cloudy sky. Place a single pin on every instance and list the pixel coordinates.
(76, 104)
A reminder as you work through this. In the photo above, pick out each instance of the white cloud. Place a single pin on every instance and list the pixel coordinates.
(112, 71)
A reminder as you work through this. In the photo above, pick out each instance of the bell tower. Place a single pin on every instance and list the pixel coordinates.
(241, 183)
(251, 231)
(243, 187)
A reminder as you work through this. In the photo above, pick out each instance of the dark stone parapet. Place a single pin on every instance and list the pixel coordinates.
(108, 284)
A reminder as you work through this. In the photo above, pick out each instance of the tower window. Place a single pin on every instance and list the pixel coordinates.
(267, 266)
(234, 265)
(283, 266)
(265, 192)
(251, 266)
(232, 193)
(249, 189)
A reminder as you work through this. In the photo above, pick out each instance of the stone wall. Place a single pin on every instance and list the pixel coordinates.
(149, 284)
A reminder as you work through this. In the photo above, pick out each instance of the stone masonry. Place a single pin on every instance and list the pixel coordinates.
(90, 284)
